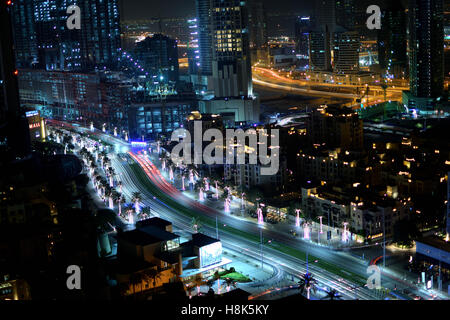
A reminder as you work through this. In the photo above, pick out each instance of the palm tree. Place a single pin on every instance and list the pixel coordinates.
(145, 213)
(129, 208)
(308, 283)
(196, 224)
(136, 198)
(230, 282)
(120, 199)
(110, 173)
(332, 295)
(110, 195)
(135, 279)
(152, 275)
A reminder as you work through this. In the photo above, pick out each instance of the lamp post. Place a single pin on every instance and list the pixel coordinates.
(321, 230)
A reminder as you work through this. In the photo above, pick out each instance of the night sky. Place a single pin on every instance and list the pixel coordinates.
(141, 9)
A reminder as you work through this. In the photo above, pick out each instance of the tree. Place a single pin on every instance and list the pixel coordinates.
(196, 224)
(135, 279)
(230, 282)
(145, 213)
(120, 199)
(152, 274)
(307, 283)
(332, 294)
(136, 198)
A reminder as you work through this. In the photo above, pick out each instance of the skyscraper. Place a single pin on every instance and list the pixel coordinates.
(392, 41)
(25, 33)
(203, 8)
(325, 14)
(324, 21)
(258, 32)
(159, 54)
(232, 73)
(193, 50)
(14, 132)
(302, 31)
(345, 51)
(345, 14)
(43, 39)
(426, 45)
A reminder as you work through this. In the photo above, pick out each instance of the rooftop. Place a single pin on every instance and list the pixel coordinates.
(155, 222)
(435, 242)
(147, 235)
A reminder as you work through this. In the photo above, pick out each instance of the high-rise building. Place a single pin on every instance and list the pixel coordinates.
(258, 32)
(224, 41)
(345, 14)
(392, 41)
(320, 49)
(43, 39)
(203, 8)
(325, 14)
(345, 51)
(426, 46)
(232, 74)
(25, 33)
(193, 50)
(302, 31)
(159, 55)
(320, 38)
(14, 131)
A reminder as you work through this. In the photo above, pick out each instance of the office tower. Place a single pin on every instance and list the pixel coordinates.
(320, 38)
(159, 55)
(26, 48)
(203, 8)
(320, 49)
(325, 14)
(302, 31)
(232, 76)
(193, 50)
(100, 33)
(43, 39)
(392, 41)
(345, 14)
(258, 32)
(346, 46)
(426, 45)
(14, 132)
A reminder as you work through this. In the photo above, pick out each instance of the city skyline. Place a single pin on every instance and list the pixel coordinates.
(224, 150)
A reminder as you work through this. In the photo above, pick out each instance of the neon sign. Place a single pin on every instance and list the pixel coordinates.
(138, 144)
(35, 125)
(31, 114)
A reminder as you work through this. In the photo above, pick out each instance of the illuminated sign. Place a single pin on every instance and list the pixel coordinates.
(138, 144)
(32, 114)
(35, 125)
(210, 254)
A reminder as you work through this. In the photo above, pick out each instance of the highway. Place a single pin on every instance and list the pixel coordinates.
(171, 204)
(272, 79)
(290, 265)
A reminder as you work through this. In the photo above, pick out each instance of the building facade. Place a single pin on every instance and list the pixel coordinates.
(426, 45)
(44, 41)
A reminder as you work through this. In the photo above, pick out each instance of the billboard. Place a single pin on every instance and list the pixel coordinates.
(210, 254)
